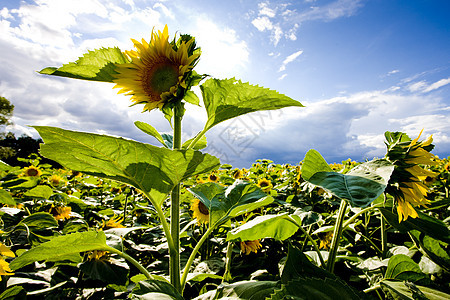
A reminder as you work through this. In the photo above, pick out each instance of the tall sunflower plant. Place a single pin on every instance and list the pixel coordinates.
(157, 74)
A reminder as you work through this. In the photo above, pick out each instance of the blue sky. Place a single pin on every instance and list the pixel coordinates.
(360, 67)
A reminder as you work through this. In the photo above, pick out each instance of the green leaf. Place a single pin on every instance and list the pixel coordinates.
(433, 248)
(201, 143)
(155, 289)
(254, 290)
(402, 267)
(6, 198)
(191, 97)
(316, 288)
(150, 130)
(40, 191)
(14, 293)
(4, 166)
(228, 98)
(424, 223)
(279, 227)
(39, 220)
(360, 186)
(151, 169)
(298, 265)
(403, 290)
(112, 271)
(62, 248)
(97, 65)
(239, 198)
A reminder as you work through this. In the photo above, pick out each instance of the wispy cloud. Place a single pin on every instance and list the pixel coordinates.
(423, 87)
(334, 10)
(289, 59)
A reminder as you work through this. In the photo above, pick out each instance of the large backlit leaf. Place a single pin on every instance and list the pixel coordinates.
(360, 186)
(315, 288)
(279, 227)
(97, 65)
(239, 198)
(402, 267)
(424, 223)
(62, 248)
(151, 169)
(229, 98)
(408, 290)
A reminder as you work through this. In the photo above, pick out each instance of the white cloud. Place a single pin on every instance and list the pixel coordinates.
(264, 10)
(282, 76)
(262, 23)
(289, 59)
(334, 10)
(423, 87)
(165, 10)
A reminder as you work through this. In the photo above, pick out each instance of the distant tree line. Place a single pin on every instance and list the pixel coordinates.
(12, 148)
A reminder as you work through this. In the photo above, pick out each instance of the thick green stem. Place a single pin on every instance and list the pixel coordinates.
(174, 255)
(227, 274)
(336, 236)
(131, 260)
(383, 237)
(193, 254)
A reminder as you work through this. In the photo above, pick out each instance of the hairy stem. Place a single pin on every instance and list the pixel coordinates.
(174, 259)
(336, 236)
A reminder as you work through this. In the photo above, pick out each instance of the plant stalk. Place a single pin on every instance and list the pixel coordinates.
(336, 236)
(131, 260)
(174, 255)
(227, 274)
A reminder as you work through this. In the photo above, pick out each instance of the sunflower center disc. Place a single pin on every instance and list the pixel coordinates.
(163, 77)
(202, 208)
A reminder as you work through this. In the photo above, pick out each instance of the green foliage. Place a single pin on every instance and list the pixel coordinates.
(279, 227)
(96, 65)
(406, 290)
(150, 169)
(402, 267)
(66, 247)
(6, 111)
(155, 289)
(228, 98)
(360, 186)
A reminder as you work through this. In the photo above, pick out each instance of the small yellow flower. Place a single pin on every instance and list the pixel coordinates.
(200, 211)
(114, 222)
(248, 247)
(237, 173)
(55, 180)
(213, 177)
(32, 171)
(98, 255)
(265, 184)
(61, 212)
(325, 242)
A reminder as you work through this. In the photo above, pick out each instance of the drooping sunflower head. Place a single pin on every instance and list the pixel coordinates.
(61, 212)
(114, 222)
(407, 182)
(159, 71)
(248, 247)
(200, 211)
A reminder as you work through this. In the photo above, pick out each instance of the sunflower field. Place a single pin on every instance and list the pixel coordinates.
(123, 219)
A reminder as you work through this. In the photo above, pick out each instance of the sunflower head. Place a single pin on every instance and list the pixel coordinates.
(248, 247)
(213, 177)
(32, 171)
(200, 211)
(265, 184)
(60, 212)
(407, 182)
(236, 173)
(114, 222)
(160, 72)
(55, 180)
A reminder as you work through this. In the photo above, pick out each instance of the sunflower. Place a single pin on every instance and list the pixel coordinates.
(55, 180)
(236, 173)
(265, 184)
(200, 211)
(4, 266)
(407, 181)
(157, 70)
(250, 246)
(98, 255)
(114, 222)
(61, 212)
(31, 171)
(213, 177)
(326, 239)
